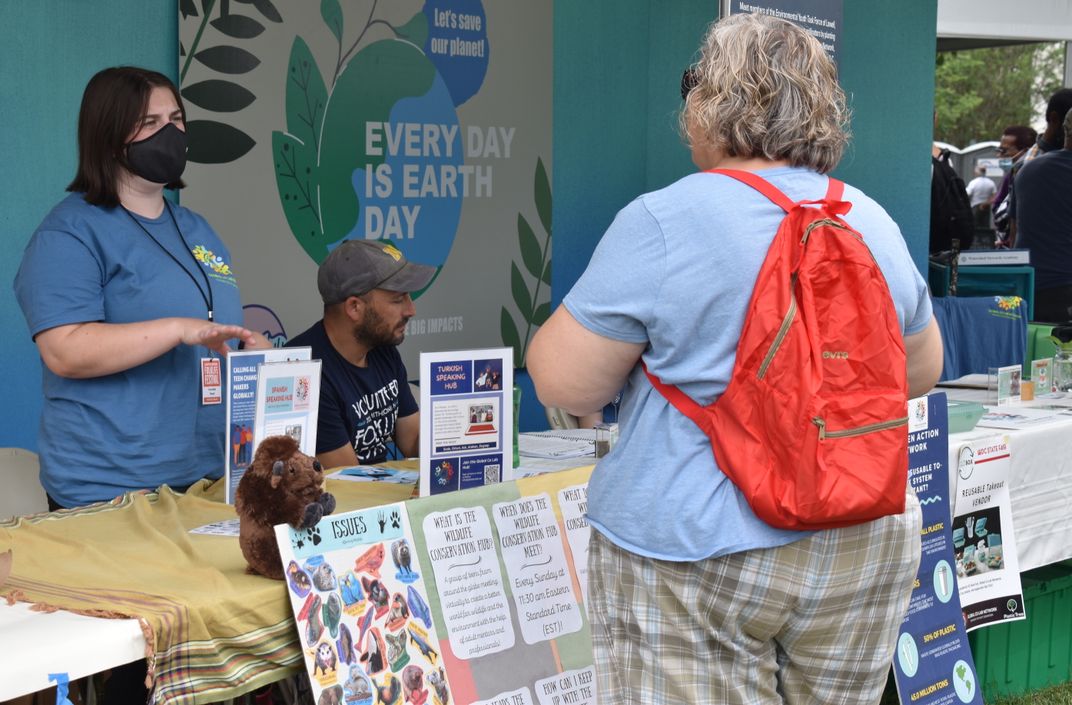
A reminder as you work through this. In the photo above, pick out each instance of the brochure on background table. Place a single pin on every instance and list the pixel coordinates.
(288, 402)
(240, 392)
(984, 541)
(1008, 383)
(1016, 417)
(1042, 375)
(932, 659)
(376, 473)
(467, 419)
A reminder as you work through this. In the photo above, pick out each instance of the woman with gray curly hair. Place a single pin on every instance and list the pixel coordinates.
(692, 597)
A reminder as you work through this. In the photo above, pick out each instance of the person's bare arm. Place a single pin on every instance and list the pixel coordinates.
(338, 458)
(95, 349)
(408, 434)
(924, 352)
(576, 369)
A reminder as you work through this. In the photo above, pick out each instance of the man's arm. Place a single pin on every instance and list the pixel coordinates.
(576, 369)
(408, 434)
(338, 458)
(924, 352)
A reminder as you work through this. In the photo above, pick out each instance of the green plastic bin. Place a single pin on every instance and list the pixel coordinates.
(1020, 657)
(986, 281)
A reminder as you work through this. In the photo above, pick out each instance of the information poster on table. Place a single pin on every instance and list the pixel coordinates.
(459, 598)
(983, 536)
(933, 662)
(467, 421)
(241, 396)
(288, 402)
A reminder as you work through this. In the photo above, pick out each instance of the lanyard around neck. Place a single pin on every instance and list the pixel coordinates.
(206, 293)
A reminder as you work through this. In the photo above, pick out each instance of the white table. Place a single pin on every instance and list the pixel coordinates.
(36, 644)
(1040, 485)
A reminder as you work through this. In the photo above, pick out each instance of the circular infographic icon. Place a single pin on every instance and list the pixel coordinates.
(907, 655)
(943, 581)
(964, 681)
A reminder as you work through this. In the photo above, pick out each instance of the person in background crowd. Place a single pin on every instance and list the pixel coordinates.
(951, 211)
(1051, 139)
(692, 598)
(1015, 141)
(365, 398)
(126, 296)
(1043, 209)
(981, 192)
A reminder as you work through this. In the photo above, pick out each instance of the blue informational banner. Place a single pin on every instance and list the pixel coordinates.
(933, 663)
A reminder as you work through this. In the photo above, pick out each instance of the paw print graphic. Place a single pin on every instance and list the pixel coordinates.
(382, 521)
(314, 535)
(396, 520)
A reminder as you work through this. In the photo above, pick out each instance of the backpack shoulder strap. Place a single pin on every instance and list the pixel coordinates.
(834, 191)
(759, 184)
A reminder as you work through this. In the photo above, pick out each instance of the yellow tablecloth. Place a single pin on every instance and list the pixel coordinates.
(216, 631)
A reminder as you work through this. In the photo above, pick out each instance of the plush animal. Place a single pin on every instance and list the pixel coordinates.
(281, 486)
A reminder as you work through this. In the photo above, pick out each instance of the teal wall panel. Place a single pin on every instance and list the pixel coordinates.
(48, 51)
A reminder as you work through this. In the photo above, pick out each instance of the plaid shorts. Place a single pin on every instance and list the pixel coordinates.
(814, 621)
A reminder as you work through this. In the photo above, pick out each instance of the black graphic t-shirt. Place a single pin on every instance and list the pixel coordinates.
(358, 405)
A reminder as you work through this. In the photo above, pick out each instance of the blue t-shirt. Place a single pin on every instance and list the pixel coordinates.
(146, 426)
(675, 271)
(1043, 212)
(358, 405)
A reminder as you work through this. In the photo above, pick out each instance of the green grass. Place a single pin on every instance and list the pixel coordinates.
(1057, 695)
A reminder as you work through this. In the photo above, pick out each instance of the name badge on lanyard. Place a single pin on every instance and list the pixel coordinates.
(211, 381)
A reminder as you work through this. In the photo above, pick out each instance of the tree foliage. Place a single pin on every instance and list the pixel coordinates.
(979, 92)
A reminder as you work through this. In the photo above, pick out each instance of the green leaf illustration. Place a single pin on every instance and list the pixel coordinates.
(510, 336)
(228, 59)
(531, 252)
(187, 8)
(297, 178)
(522, 297)
(332, 14)
(219, 96)
(362, 93)
(546, 278)
(543, 196)
(266, 8)
(214, 142)
(416, 30)
(306, 97)
(543, 312)
(238, 26)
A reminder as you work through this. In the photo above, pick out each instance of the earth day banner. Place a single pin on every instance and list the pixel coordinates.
(425, 124)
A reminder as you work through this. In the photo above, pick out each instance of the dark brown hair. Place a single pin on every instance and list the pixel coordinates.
(113, 105)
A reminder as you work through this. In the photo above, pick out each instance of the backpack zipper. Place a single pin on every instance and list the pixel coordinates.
(859, 430)
(782, 330)
(819, 223)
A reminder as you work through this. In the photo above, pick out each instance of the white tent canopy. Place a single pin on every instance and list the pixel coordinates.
(1025, 21)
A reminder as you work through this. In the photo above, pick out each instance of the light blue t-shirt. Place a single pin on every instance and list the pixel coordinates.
(145, 426)
(675, 271)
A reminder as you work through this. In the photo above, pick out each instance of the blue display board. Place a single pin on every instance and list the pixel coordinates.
(933, 662)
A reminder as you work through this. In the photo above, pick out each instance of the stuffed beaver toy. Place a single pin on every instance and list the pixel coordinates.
(281, 486)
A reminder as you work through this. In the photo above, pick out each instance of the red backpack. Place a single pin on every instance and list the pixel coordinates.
(813, 425)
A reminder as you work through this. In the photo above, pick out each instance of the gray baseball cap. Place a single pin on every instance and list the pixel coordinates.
(357, 267)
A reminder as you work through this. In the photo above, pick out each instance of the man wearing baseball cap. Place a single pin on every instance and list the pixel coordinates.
(365, 398)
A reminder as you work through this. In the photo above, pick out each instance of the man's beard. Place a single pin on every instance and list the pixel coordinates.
(374, 331)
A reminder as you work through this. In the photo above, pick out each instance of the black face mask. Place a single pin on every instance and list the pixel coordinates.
(160, 157)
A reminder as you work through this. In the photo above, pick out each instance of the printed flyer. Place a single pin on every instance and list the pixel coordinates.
(933, 662)
(456, 599)
(467, 423)
(983, 538)
(288, 402)
(241, 395)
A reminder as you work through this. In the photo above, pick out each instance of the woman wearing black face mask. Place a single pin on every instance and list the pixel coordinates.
(129, 298)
